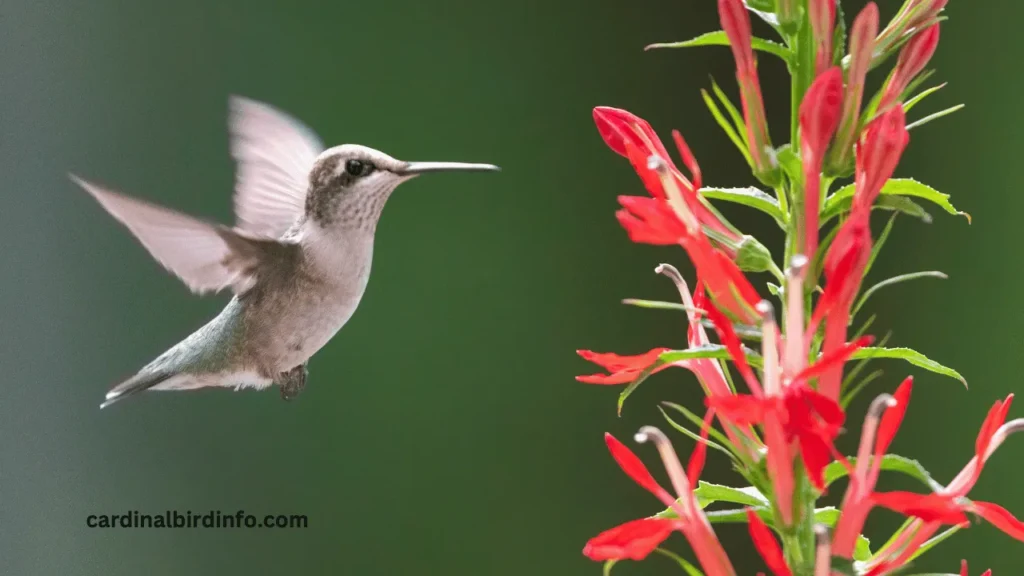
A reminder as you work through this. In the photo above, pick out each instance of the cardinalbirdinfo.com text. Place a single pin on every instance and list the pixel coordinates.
(189, 519)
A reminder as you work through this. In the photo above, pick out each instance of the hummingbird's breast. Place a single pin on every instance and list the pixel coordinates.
(296, 311)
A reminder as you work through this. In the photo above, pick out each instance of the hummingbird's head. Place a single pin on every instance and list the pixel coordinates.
(349, 184)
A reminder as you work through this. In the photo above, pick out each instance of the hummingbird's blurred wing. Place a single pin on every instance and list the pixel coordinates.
(207, 257)
(274, 153)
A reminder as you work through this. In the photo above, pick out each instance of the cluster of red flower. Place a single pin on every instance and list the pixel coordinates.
(781, 434)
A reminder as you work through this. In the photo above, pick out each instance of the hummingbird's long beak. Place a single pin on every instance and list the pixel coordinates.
(414, 168)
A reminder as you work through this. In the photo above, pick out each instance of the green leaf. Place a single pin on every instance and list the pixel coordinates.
(751, 197)
(729, 129)
(912, 356)
(892, 203)
(895, 280)
(935, 116)
(790, 163)
(717, 351)
(933, 541)
(862, 550)
(636, 383)
(828, 516)
(690, 569)
(890, 463)
(737, 119)
(708, 494)
(698, 422)
(896, 187)
(921, 96)
(656, 304)
(719, 38)
(697, 438)
(737, 516)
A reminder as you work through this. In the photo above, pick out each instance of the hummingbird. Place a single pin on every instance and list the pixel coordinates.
(297, 260)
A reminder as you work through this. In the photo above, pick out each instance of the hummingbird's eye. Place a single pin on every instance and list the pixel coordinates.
(358, 168)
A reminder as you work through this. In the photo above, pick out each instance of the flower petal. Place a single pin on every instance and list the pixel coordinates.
(928, 507)
(766, 545)
(635, 469)
(893, 417)
(633, 540)
(999, 517)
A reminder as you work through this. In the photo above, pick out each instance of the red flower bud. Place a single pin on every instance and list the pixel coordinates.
(819, 118)
(736, 23)
(862, 41)
(822, 14)
(913, 58)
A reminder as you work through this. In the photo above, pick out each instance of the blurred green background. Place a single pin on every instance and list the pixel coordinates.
(442, 431)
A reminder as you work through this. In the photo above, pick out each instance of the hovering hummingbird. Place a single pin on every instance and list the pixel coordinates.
(298, 259)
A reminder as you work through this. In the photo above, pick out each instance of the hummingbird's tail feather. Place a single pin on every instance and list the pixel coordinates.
(138, 383)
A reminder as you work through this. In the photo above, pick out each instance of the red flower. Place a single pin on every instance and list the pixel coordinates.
(736, 23)
(622, 369)
(819, 118)
(915, 16)
(804, 416)
(878, 152)
(913, 58)
(632, 137)
(949, 505)
(862, 43)
(766, 545)
(633, 540)
(822, 14)
(638, 538)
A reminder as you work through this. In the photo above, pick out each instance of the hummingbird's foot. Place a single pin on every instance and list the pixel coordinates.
(292, 382)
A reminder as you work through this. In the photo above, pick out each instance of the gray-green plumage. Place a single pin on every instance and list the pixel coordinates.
(298, 259)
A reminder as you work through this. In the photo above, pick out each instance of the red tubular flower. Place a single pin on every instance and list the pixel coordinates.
(639, 538)
(862, 42)
(880, 426)
(949, 505)
(916, 15)
(766, 545)
(633, 138)
(913, 58)
(622, 369)
(878, 152)
(736, 23)
(819, 118)
(633, 540)
(822, 14)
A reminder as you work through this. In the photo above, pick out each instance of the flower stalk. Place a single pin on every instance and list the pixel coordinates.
(776, 384)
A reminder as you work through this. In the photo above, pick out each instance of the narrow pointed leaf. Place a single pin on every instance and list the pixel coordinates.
(921, 96)
(935, 116)
(708, 494)
(895, 187)
(690, 569)
(751, 197)
(636, 383)
(655, 304)
(890, 463)
(728, 128)
(696, 437)
(719, 38)
(891, 203)
(716, 351)
(895, 280)
(734, 113)
(909, 355)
